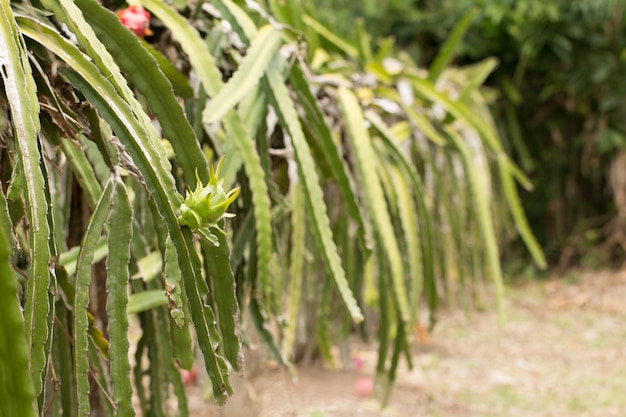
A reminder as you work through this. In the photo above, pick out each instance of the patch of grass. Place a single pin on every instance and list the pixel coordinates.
(509, 396)
(565, 322)
(572, 278)
(578, 404)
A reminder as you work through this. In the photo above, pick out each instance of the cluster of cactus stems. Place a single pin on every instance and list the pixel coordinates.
(387, 208)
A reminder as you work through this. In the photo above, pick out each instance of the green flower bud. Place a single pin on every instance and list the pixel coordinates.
(207, 205)
(189, 217)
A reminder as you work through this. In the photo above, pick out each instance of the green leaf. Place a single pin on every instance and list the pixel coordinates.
(425, 125)
(507, 167)
(68, 259)
(320, 224)
(400, 345)
(483, 214)
(226, 306)
(173, 283)
(179, 81)
(471, 119)
(460, 111)
(516, 138)
(240, 241)
(322, 328)
(167, 371)
(149, 267)
(446, 54)
(430, 290)
(517, 210)
(261, 52)
(407, 211)
(364, 42)
(80, 323)
(191, 42)
(383, 333)
(100, 375)
(83, 171)
(21, 93)
(182, 344)
(15, 381)
(251, 112)
(155, 326)
(291, 11)
(259, 321)
(146, 300)
(238, 18)
(339, 42)
(62, 358)
(365, 159)
(208, 337)
(477, 74)
(260, 199)
(118, 275)
(296, 267)
(314, 118)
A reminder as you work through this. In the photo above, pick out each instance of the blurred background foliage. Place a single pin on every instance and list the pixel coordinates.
(560, 103)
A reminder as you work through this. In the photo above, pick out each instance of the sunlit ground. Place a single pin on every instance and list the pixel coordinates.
(562, 352)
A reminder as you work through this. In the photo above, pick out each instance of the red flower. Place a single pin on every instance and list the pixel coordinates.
(137, 19)
(190, 377)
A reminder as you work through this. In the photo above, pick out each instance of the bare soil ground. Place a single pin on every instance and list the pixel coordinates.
(562, 352)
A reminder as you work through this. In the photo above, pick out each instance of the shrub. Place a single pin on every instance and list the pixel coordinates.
(559, 109)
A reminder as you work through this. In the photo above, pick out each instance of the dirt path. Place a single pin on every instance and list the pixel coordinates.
(561, 353)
